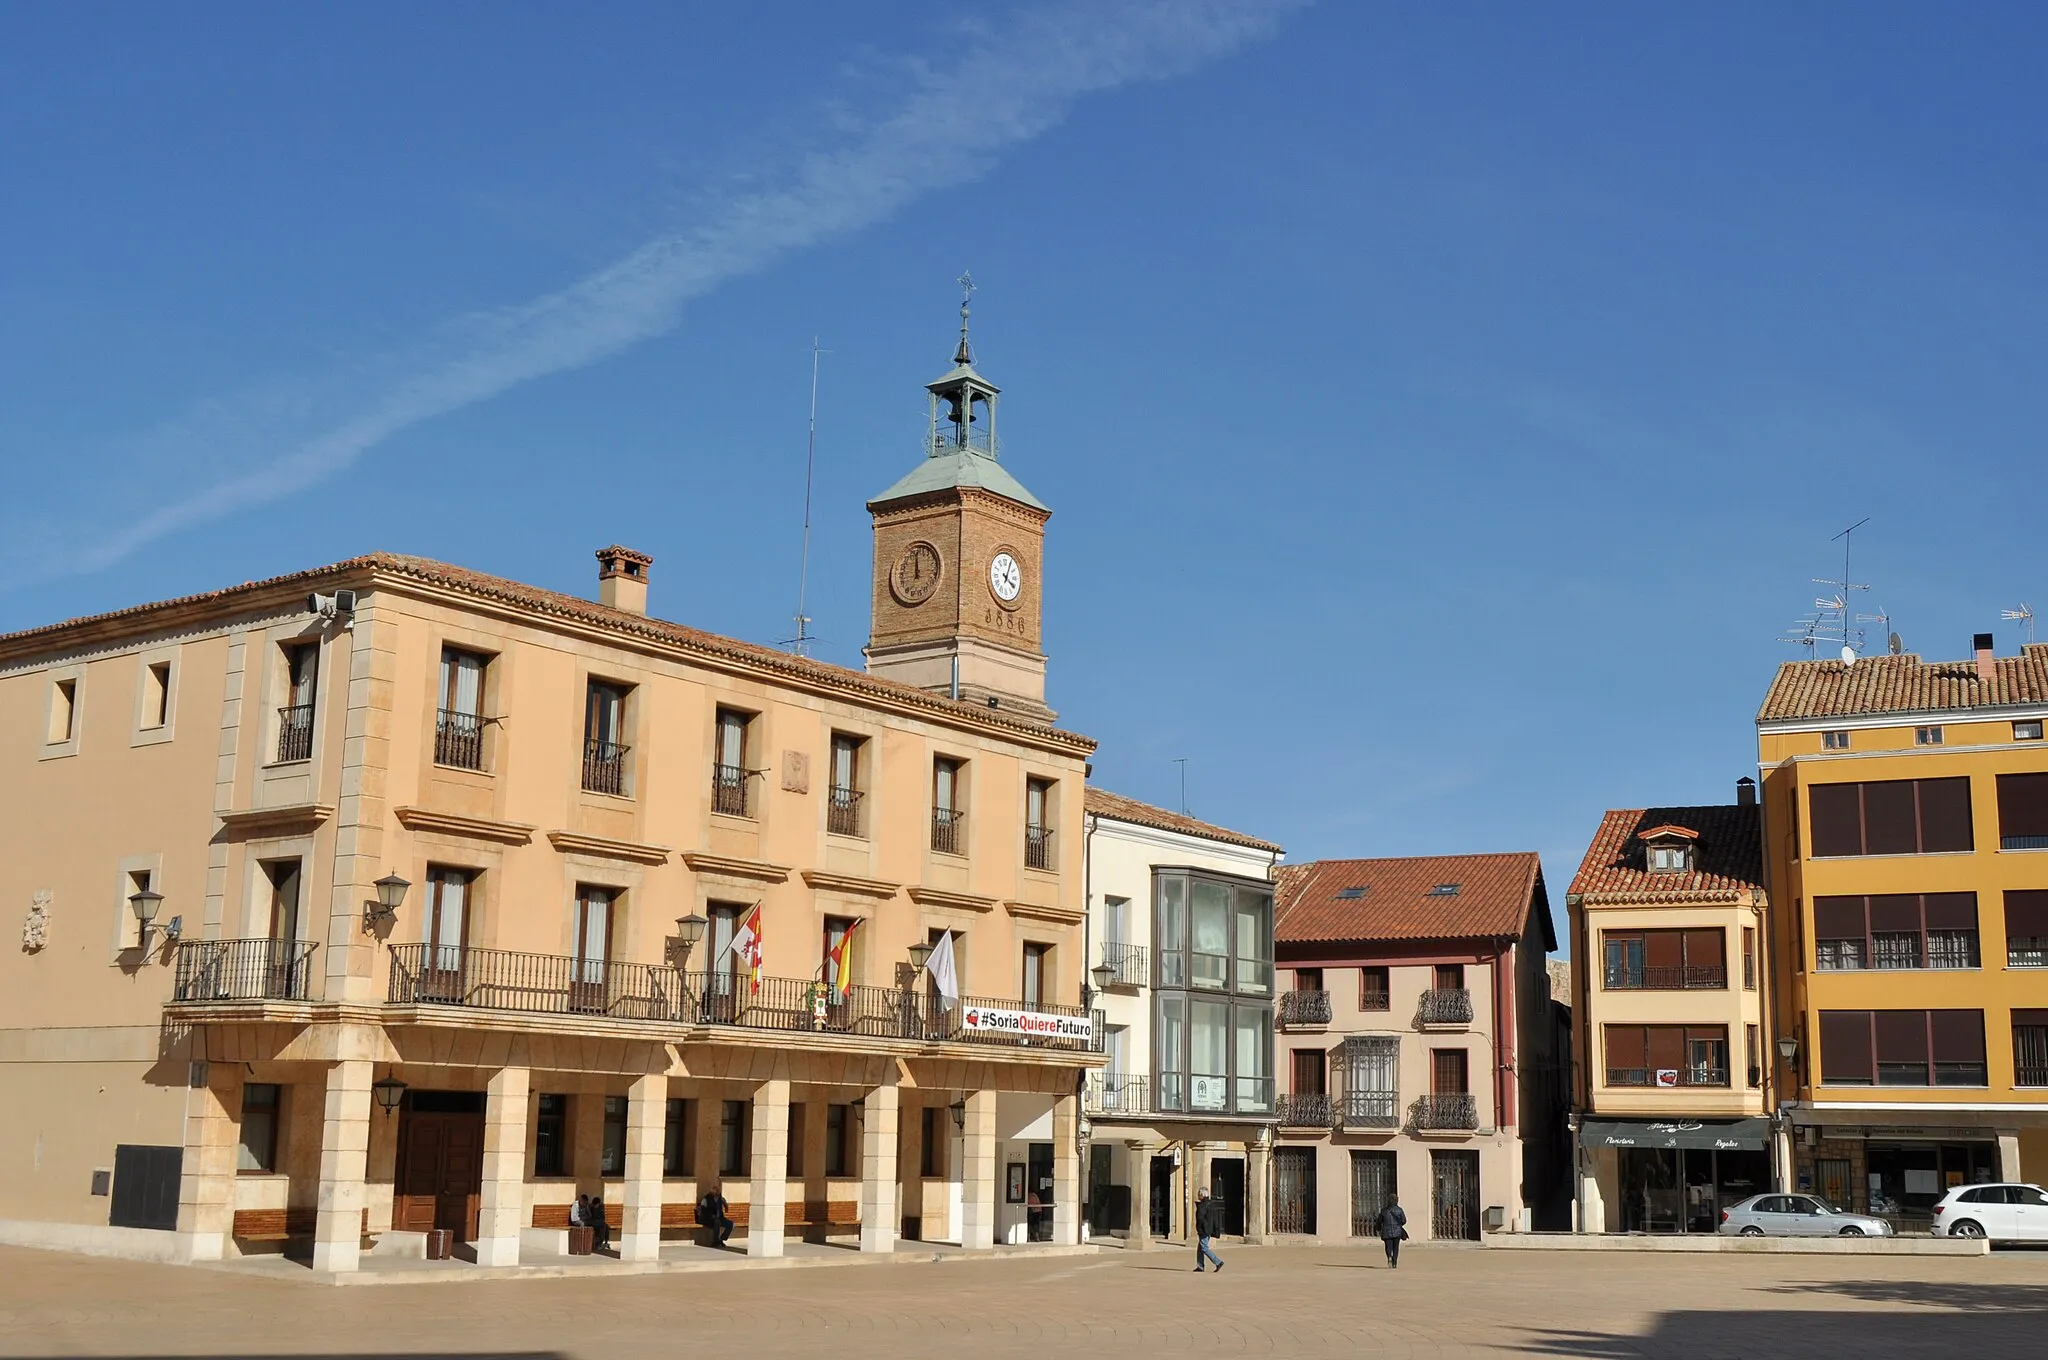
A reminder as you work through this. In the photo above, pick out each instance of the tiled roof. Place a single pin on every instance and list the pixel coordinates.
(1903, 684)
(1492, 901)
(1116, 807)
(1727, 857)
(139, 618)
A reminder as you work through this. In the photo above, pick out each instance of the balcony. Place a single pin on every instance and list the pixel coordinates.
(949, 831)
(1304, 1009)
(1116, 1093)
(1130, 965)
(842, 811)
(952, 436)
(536, 984)
(243, 970)
(1445, 1112)
(458, 739)
(1038, 847)
(1668, 978)
(1667, 1077)
(295, 732)
(604, 767)
(1369, 1110)
(1445, 1006)
(1310, 1111)
(729, 790)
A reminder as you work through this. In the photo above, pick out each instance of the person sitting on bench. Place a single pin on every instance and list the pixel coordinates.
(711, 1213)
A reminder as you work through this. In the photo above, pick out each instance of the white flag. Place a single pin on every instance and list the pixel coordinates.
(944, 976)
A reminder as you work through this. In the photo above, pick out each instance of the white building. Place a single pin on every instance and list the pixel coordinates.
(1180, 928)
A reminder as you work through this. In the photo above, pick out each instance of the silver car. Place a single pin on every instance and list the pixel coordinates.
(1797, 1216)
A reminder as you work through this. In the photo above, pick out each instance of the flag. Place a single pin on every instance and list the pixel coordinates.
(944, 975)
(841, 956)
(746, 947)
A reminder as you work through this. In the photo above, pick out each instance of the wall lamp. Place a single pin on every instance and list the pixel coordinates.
(920, 954)
(689, 932)
(389, 1092)
(391, 891)
(146, 904)
(1788, 1049)
(959, 1111)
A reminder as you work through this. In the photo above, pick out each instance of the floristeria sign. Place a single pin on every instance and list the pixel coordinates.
(1027, 1024)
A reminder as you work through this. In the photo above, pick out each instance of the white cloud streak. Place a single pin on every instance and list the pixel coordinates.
(1012, 84)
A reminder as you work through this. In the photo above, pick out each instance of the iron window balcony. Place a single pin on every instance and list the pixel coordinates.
(243, 970)
(604, 767)
(458, 739)
(1680, 1076)
(1116, 1093)
(1129, 964)
(729, 790)
(1038, 847)
(295, 732)
(1446, 1111)
(842, 811)
(1445, 1006)
(1312, 1111)
(1369, 1110)
(949, 831)
(1304, 1008)
(1668, 978)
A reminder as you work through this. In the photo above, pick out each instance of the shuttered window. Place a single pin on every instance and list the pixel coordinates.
(1667, 1055)
(1892, 817)
(1896, 930)
(2026, 928)
(2023, 811)
(1902, 1048)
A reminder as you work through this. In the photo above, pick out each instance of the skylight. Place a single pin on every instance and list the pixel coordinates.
(1350, 894)
(1444, 890)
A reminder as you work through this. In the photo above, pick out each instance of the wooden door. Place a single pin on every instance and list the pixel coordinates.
(440, 1173)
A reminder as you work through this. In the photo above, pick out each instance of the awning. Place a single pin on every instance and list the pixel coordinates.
(1749, 1135)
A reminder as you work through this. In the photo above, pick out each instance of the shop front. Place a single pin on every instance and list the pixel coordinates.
(1675, 1175)
(1898, 1173)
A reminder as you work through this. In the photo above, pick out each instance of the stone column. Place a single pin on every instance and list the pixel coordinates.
(768, 1190)
(879, 1206)
(344, 1160)
(1066, 1170)
(646, 1122)
(978, 1172)
(1258, 1166)
(1141, 1195)
(2008, 1156)
(206, 1187)
(502, 1202)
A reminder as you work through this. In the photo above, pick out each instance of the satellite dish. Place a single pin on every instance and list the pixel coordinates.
(1848, 656)
(1897, 647)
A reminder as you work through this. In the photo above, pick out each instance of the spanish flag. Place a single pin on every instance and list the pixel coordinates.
(841, 956)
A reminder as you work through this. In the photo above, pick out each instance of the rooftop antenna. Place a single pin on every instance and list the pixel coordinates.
(801, 643)
(1834, 623)
(2024, 614)
(1182, 761)
(1884, 629)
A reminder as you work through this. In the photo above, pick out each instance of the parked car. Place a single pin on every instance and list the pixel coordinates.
(2004, 1213)
(1797, 1216)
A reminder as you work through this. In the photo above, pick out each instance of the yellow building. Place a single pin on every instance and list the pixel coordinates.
(391, 898)
(1906, 848)
(1668, 913)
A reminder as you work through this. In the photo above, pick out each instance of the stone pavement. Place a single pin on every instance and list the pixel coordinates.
(1122, 1305)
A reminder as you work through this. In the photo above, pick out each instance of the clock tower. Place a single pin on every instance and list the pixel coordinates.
(959, 544)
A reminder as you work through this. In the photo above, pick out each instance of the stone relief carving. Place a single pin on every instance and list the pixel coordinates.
(35, 932)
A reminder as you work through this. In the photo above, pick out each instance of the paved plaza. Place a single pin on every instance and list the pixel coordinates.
(1274, 1301)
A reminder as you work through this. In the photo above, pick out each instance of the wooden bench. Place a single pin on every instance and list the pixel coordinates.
(278, 1225)
(808, 1216)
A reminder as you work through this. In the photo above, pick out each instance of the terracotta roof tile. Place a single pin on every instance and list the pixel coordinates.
(1904, 684)
(1493, 900)
(1116, 807)
(1727, 857)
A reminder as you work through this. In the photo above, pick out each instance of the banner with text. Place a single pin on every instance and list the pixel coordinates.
(1027, 1024)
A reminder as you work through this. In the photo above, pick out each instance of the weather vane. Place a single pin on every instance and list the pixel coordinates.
(964, 355)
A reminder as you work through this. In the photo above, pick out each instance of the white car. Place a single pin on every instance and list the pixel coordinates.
(2011, 1212)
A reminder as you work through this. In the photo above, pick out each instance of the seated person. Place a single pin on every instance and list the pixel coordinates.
(711, 1213)
(598, 1223)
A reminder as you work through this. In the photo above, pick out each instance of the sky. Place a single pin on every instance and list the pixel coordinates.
(1444, 409)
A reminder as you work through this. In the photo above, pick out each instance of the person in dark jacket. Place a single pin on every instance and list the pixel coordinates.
(1208, 1224)
(711, 1212)
(599, 1222)
(1393, 1226)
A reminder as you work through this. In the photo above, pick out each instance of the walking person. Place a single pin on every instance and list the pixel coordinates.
(1208, 1224)
(1393, 1227)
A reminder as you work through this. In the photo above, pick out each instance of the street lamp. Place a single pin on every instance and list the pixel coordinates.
(145, 903)
(389, 1092)
(1788, 1049)
(1103, 975)
(959, 1111)
(391, 891)
(920, 954)
(689, 932)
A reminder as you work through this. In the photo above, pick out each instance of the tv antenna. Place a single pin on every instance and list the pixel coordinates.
(2024, 614)
(1833, 621)
(1182, 761)
(801, 643)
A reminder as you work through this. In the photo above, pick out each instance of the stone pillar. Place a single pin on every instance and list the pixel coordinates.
(2008, 1156)
(978, 1172)
(344, 1160)
(206, 1187)
(1258, 1168)
(646, 1123)
(1066, 1169)
(769, 1188)
(502, 1202)
(1141, 1195)
(1783, 1163)
(879, 1207)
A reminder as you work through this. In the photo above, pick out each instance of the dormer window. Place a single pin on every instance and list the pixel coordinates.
(1669, 859)
(1668, 849)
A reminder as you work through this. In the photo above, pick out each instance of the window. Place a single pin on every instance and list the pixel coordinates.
(1038, 824)
(156, 695)
(2026, 928)
(604, 733)
(2028, 729)
(2030, 1048)
(1170, 931)
(1373, 993)
(1444, 890)
(1254, 1026)
(679, 1139)
(590, 938)
(2023, 812)
(1669, 859)
(1927, 736)
(725, 966)
(1208, 1055)
(1211, 933)
(282, 876)
(1448, 977)
(1372, 1086)
(551, 1137)
(838, 1134)
(1310, 1068)
(1170, 1041)
(931, 1147)
(729, 772)
(1449, 1072)
(1749, 1056)
(1749, 958)
(302, 684)
(836, 930)
(949, 831)
(446, 921)
(1666, 1055)
(732, 1138)
(612, 1152)
(63, 712)
(1252, 914)
(459, 718)
(842, 799)
(1350, 894)
(1837, 740)
(1036, 958)
(1892, 817)
(1902, 1048)
(793, 1143)
(1664, 960)
(1895, 930)
(260, 1106)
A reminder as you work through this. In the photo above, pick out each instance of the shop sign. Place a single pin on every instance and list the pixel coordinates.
(1724, 1135)
(1027, 1024)
(1667, 1076)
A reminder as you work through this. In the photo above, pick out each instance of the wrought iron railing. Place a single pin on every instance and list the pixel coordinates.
(1038, 847)
(842, 811)
(459, 739)
(1451, 1110)
(243, 970)
(1445, 1006)
(950, 437)
(1374, 999)
(1668, 977)
(1369, 1110)
(729, 790)
(1680, 1076)
(1129, 964)
(2026, 951)
(1305, 1008)
(805, 1007)
(295, 732)
(543, 984)
(604, 767)
(1116, 1093)
(1314, 1110)
(949, 830)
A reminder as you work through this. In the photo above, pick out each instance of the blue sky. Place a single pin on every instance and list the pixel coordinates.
(1443, 408)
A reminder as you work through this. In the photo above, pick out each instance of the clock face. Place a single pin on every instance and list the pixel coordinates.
(915, 577)
(1005, 577)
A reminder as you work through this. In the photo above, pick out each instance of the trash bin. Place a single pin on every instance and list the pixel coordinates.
(440, 1243)
(581, 1241)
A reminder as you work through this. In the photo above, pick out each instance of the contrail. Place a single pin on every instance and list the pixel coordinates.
(1010, 85)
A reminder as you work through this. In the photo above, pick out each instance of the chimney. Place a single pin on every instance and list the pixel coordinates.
(1745, 792)
(622, 579)
(1985, 669)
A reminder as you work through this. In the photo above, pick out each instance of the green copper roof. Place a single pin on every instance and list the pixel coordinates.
(957, 468)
